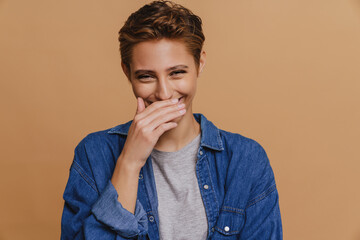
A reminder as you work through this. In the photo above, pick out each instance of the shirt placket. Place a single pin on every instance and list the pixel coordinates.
(148, 197)
(206, 189)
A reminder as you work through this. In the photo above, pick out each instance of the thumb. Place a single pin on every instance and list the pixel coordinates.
(140, 105)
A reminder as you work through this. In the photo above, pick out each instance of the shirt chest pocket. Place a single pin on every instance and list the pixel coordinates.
(229, 224)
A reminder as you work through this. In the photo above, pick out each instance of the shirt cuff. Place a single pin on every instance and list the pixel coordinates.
(108, 210)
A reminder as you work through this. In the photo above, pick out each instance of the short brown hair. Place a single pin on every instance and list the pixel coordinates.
(161, 19)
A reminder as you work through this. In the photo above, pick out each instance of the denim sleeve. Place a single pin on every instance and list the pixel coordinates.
(263, 220)
(92, 214)
(109, 211)
(262, 213)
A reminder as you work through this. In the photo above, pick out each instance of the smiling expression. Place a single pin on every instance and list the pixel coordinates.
(164, 69)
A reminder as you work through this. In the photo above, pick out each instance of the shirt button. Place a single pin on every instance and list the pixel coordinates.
(201, 152)
(206, 186)
(212, 229)
(226, 228)
(151, 218)
(140, 176)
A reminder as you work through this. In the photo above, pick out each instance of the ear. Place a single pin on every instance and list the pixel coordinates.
(202, 61)
(125, 70)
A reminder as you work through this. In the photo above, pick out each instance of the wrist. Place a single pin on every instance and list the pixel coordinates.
(128, 165)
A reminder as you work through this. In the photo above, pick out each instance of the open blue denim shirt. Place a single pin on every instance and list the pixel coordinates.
(234, 175)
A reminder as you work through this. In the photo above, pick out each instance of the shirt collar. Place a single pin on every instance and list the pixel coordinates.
(210, 134)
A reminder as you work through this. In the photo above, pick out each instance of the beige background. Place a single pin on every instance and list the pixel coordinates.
(283, 72)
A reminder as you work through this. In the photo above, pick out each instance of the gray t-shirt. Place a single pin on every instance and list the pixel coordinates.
(181, 210)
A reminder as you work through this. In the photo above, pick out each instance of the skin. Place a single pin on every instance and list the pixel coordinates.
(163, 75)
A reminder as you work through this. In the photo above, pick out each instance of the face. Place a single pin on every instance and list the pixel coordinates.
(164, 69)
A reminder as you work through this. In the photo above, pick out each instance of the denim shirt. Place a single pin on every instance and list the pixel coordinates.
(234, 175)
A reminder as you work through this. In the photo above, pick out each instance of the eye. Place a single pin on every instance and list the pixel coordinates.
(178, 72)
(143, 76)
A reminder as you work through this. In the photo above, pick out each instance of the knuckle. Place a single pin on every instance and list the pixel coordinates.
(140, 123)
(156, 104)
(143, 131)
(163, 110)
(170, 109)
(136, 118)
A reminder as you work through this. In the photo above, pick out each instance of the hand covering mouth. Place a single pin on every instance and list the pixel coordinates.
(180, 99)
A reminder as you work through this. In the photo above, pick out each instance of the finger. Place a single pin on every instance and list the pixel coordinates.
(140, 105)
(163, 128)
(160, 114)
(161, 119)
(158, 105)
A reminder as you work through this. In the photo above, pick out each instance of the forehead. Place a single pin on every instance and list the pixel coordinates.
(160, 54)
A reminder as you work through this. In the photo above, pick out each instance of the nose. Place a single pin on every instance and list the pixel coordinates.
(164, 89)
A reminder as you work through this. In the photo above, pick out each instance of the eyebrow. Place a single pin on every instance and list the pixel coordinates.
(169, 69)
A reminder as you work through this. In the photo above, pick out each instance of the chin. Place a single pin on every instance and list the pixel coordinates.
(178, 119)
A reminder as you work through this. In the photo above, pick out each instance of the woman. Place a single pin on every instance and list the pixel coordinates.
(168, 173)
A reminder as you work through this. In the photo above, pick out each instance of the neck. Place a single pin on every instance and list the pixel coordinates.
(173, 140)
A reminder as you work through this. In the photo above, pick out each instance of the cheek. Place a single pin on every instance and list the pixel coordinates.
(188, 86)
(141, 90)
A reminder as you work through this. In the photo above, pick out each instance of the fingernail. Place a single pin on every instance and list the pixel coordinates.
(174, 100)
(181, 105)
(182, 111)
